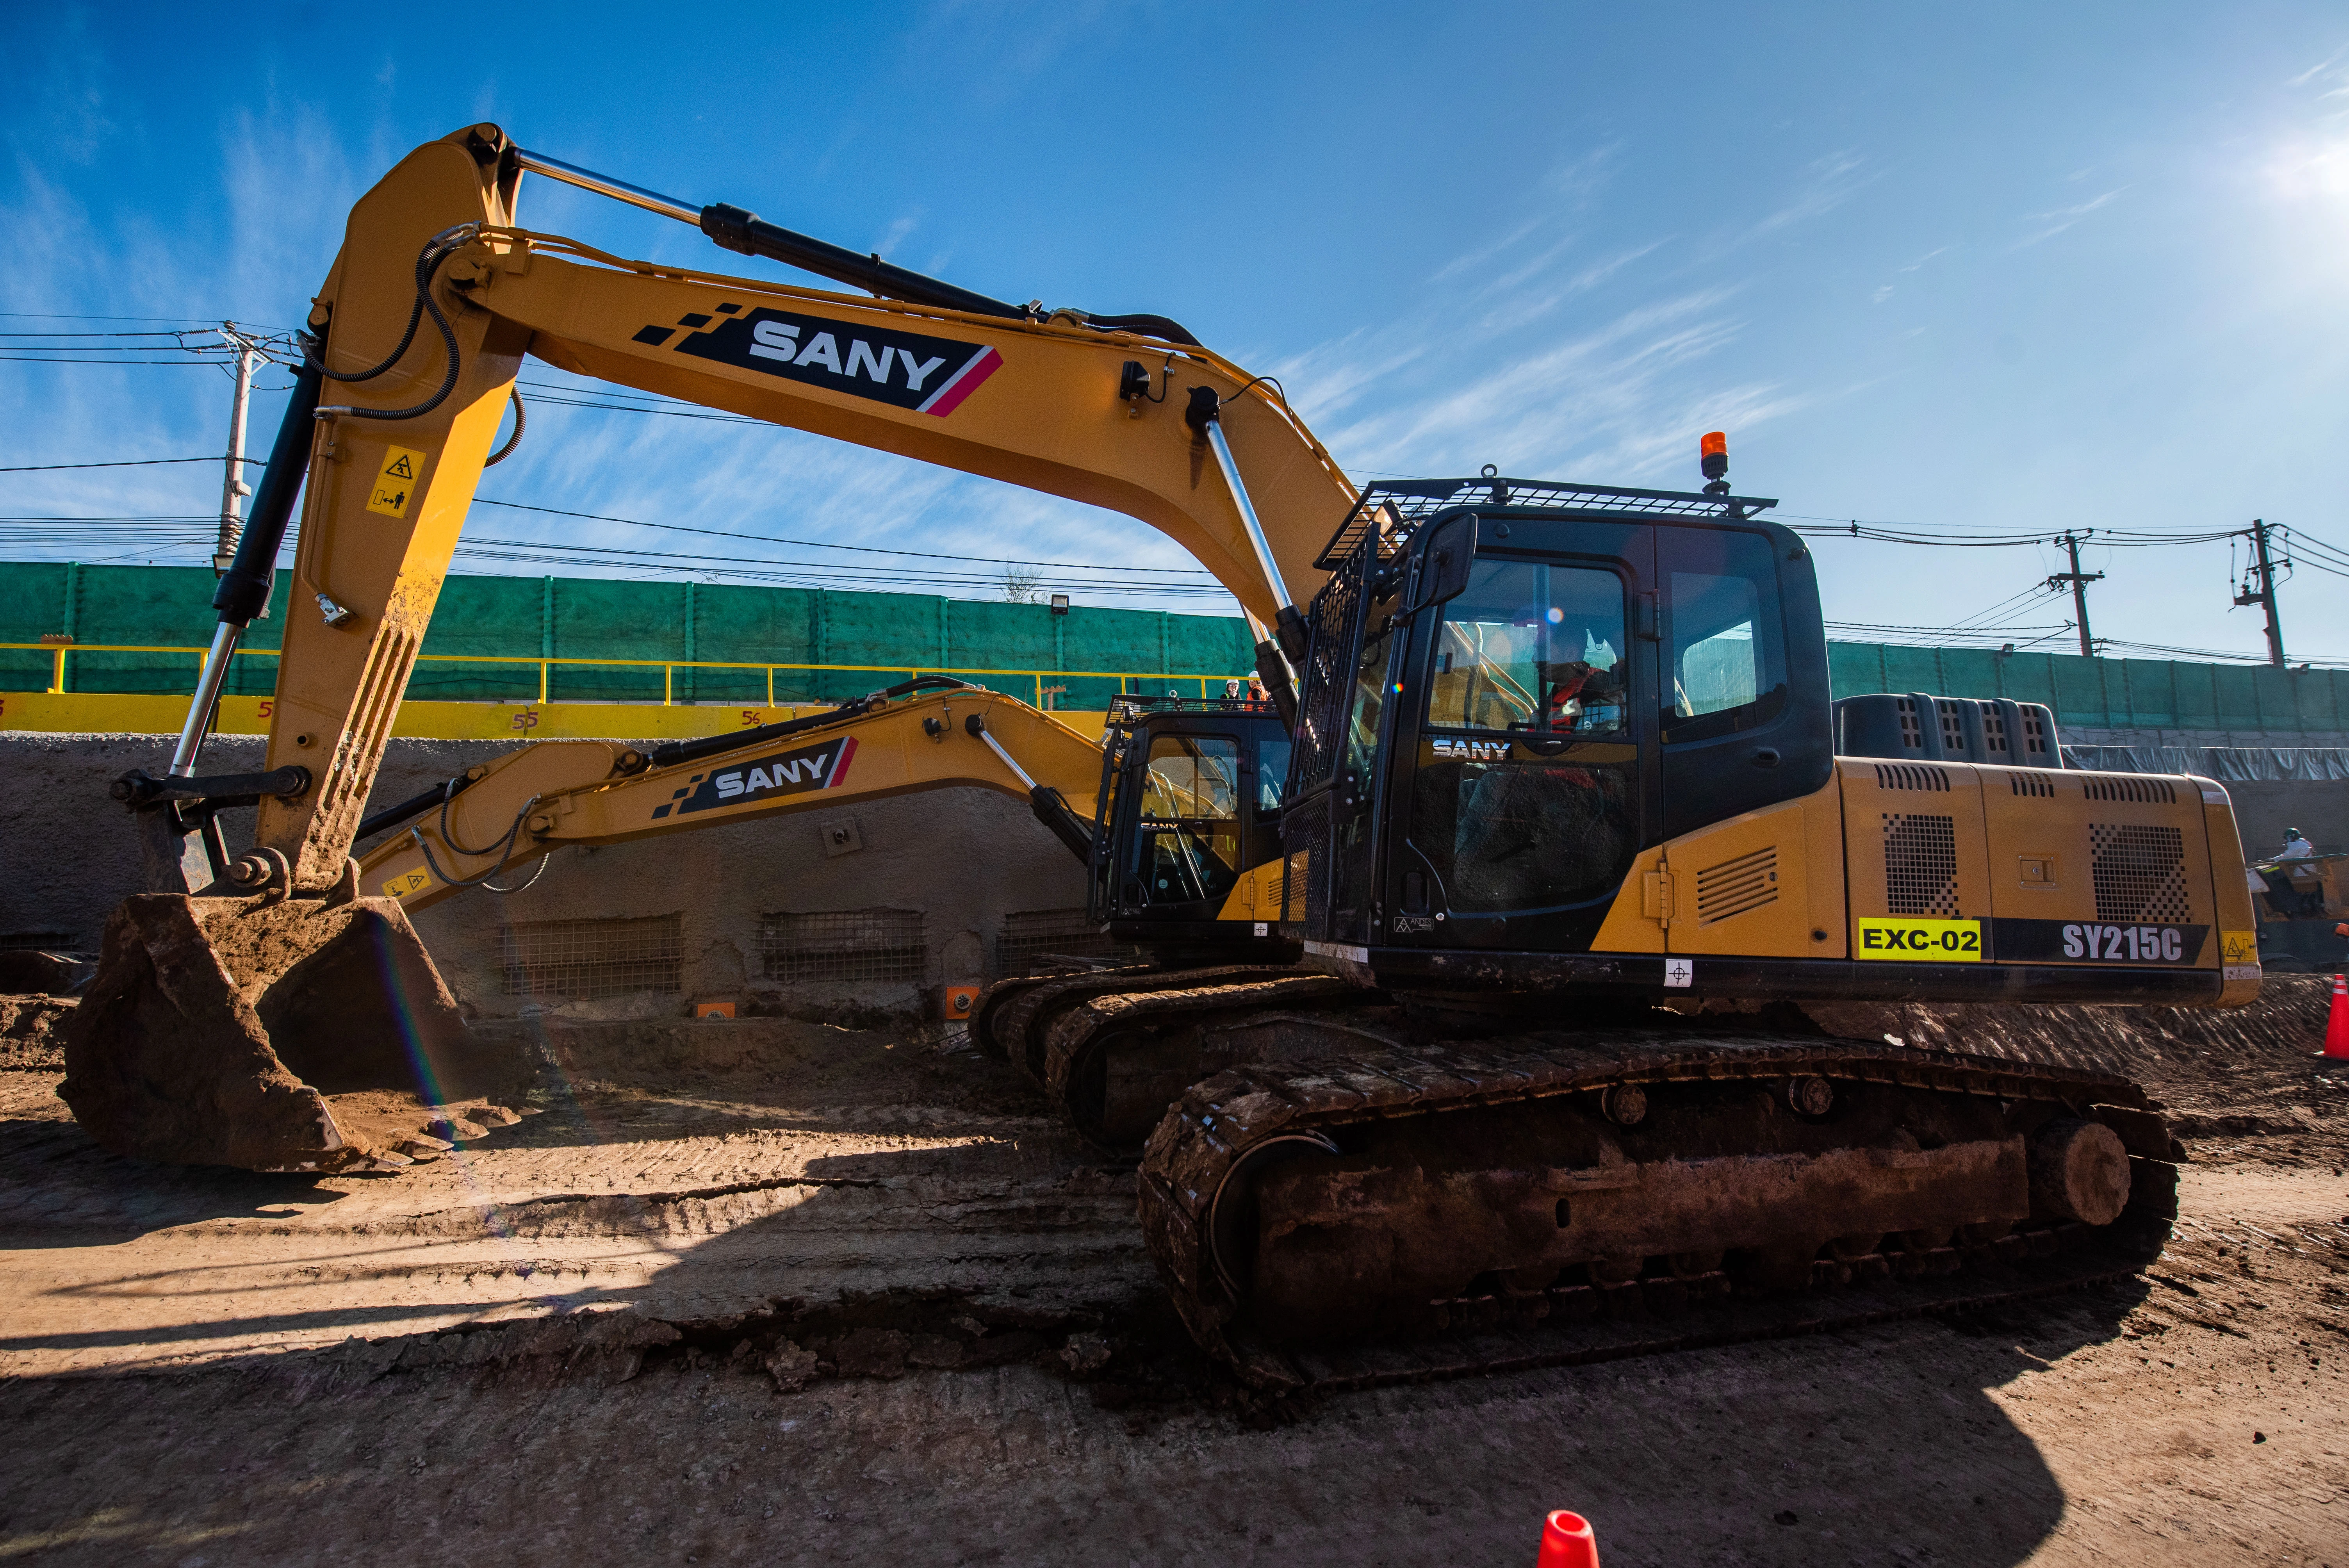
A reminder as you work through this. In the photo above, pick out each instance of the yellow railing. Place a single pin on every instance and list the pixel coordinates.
(669, 668)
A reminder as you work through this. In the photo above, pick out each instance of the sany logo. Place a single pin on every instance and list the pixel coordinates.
(787, 773)
(906, 369)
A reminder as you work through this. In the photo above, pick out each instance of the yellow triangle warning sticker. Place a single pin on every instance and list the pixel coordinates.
(395, 482)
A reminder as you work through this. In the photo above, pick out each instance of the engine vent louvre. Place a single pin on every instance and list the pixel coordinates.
(2145, 791)
(1953, 725)
(2034, 734)
(1911, 775)
(1920, 865)
(1734, 887)
(2037, 784)
(2139, 873)
(1993, 728)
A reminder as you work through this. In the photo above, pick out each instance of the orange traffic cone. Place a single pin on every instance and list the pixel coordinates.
(2336, 1026)
(1566, 1543)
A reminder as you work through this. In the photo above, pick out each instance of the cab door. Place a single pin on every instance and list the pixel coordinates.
(1184, 828)
(1524, 783)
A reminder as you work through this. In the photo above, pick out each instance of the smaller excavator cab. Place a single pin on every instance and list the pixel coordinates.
(1190, 798)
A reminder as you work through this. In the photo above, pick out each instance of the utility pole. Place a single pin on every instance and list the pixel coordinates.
(234, 489)
(2266, 596)
(2079, 581)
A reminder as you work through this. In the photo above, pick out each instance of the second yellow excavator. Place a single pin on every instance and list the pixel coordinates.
(1608, 913)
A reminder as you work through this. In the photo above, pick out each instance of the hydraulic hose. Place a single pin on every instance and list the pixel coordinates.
(437, 250)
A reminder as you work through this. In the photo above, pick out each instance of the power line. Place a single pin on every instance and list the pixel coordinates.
(119, 463)
(861, 549)
(165, 532)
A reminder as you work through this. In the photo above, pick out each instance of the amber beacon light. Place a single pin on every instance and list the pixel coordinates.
(1715, 450)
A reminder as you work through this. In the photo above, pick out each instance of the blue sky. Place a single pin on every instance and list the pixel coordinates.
(1994, 269)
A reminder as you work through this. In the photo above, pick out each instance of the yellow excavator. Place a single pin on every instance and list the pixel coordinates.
(1596, 925)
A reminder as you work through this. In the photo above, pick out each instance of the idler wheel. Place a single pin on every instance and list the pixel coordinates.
(1845, 1249)
(2079, 1170)
(1810, 1096)
(1627, 1105)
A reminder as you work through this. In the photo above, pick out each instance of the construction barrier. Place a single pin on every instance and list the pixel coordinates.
(545, 643)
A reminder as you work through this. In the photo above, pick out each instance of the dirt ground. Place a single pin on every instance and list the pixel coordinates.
(775, 1290)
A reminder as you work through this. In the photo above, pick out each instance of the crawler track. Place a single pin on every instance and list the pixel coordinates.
(1376, 1114)
(1114, 1061)
(1014, 1019)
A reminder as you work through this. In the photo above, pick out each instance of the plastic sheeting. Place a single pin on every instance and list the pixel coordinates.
(2226, 764)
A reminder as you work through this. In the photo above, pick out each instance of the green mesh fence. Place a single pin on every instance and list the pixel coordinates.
(2108, 694)
(502, 626)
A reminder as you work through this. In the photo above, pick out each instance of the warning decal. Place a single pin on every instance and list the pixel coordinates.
(408, 882)
(395, 483)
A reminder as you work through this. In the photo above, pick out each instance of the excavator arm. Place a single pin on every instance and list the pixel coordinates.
(394, 424)
(929, 733)
(280, 1013)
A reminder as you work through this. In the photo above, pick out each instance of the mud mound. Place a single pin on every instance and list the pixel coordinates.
(31, 1031)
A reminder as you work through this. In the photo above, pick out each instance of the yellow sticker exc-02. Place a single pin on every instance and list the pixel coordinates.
(1917, 941)
(408, 883)
(395, 482)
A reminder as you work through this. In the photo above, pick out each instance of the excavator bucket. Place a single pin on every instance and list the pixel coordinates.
(277, 1036)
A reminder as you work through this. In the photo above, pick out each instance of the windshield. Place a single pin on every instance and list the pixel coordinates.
(1532, 646)
(1188, 838)
(1534, 655)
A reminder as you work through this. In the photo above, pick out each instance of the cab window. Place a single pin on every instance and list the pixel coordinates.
(1531, 656)
(1188, 838)
(1272, 754)
(1531, 646)
(1728, 663)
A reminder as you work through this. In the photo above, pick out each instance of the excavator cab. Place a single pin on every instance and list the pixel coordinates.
(1190, 798)
(1515, 688)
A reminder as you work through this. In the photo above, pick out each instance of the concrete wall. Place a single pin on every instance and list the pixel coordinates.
(966, 858)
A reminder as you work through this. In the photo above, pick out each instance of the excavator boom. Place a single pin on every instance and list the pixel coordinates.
(1048, 403)
(538, 798)
(217, 980)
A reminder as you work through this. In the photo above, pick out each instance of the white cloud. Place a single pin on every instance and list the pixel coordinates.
(1829, 182)
(895, 233)
(2050, 224)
